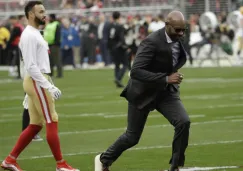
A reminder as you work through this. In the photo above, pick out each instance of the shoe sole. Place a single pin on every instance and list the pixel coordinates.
(9, 167)
(62, 170)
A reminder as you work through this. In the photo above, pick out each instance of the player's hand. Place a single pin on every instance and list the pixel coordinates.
(175, 78)
(55, 92)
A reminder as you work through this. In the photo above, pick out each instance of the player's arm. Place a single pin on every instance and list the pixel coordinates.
(29, 52)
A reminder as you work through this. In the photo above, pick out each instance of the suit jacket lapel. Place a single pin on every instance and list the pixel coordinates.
(166, 45)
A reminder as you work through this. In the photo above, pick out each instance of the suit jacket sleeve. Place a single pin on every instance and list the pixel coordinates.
(142, 64)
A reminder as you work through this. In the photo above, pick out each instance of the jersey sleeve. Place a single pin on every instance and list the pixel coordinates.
(29, 52)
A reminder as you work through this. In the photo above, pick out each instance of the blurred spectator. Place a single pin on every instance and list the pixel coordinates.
(67, 41)
(130, 38)
(52, 36)
(103, 29)
(186, 41)
(157, 23)
(118, 48)
(22, 20)
(68, 4)
(76, 44)
(89, 41)
(4, 37)
(13, 46)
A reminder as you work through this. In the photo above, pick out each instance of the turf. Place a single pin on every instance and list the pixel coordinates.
(92, 116)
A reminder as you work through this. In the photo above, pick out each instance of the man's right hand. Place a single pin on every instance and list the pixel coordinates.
(55, 92)
(175, 78)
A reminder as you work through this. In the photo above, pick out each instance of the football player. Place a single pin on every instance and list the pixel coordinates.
(40, 90)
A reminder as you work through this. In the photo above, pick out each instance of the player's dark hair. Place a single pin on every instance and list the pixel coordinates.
(29, 6)
(116, 15)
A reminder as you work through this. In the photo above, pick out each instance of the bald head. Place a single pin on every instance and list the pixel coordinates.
(175, 16)
(175, 25)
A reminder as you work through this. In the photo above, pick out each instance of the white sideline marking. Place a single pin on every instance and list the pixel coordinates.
(136, 149)
(209, 168)
(124, 128)
(103, 115)
(91, 96)
(9, 120)
(7, 81)
(232, 117)
(123, 101)
(220, 106)
(215, 79)
(108, 115)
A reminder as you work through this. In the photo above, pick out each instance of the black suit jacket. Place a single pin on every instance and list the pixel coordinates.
(153, 62)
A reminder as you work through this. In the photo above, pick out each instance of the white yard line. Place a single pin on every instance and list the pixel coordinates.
(9, 120)
(136, 149)
(215, 79)
(92, 96)
(124, 128)
(14, 108)
(123, 101)
(209, 168)
(103, 115)
(233, 117)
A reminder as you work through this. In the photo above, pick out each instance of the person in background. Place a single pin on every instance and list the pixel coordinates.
(4, 37)
(103, 28)
(67, 41)
(118, 48)
(13, 46)
(76, 44)
(52, 34)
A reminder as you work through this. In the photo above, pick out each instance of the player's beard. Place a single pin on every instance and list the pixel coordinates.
(39, 21)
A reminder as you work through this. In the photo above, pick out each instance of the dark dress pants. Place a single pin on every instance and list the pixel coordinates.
(170, 105)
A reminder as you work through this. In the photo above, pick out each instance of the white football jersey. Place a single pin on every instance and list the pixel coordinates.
(35, 53)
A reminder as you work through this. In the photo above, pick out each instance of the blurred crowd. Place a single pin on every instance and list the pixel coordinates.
(83, 41)
(80, 4)
(53, 4)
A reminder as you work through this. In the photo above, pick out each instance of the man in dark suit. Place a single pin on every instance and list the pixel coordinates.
(154, 84)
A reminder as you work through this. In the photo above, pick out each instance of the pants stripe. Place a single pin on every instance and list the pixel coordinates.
(47, 105)
(43, 102)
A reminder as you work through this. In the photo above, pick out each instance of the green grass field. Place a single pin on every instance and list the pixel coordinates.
(92, 116)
